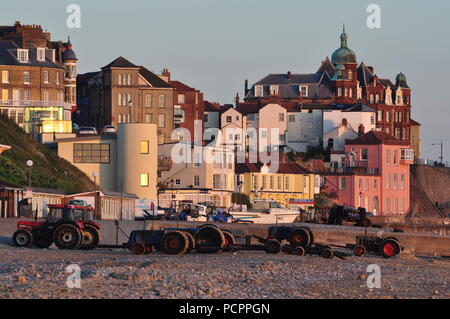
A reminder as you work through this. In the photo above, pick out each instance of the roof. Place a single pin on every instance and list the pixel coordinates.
(415, 123)
(358, 107)
(120, 62)
(365, 76)
(44, 190)
(375, 138)
(211, 107)
(180, 86)
(327, 66)
(246, 108)
(87, 138)
(290, 79)
(283, 168)
(9, 186)
(153, 79)
(7, 56)
(386, 83)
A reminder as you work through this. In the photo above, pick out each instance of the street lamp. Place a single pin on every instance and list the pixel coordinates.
(29, 164)
(441, 144)
(65, 182)
(94, 174)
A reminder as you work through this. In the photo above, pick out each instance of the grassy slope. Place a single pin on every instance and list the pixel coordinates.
(48, 169)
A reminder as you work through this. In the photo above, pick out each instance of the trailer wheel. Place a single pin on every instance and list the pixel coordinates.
(138, 249)
(175, 243)
(191, 241)
(299, 237)
(230, 240)
(299, 251)
(67, 236)
(91, 238)
(327, 253)
(359, 250)
(22, 238)
(390, 248)
(209, 239)
(273, 246)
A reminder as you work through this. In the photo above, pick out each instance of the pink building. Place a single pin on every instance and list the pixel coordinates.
(375, 174)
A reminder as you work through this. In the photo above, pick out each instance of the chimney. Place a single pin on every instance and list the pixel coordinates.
(236, 99)
(344, 122)
(246, 88)
(166, 74)
(289, 75)
(361, 129)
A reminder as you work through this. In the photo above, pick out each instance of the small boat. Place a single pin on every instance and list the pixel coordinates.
(266, 211)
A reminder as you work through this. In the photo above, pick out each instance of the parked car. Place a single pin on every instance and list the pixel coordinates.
(86, 130)
(109, 129)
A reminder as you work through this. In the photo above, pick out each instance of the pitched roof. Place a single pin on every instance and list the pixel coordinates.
(365, 76)
(180, 86)
(211, 107)
(375, 138)
(153, 79)
(415, 123)
(7, 57)
(357, 107)
(283, 168)
(327, 66)
(120, 62)
(386, 82)
(290, 79)
(248, 107)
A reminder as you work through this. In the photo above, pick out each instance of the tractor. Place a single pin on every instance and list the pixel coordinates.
(68, 226)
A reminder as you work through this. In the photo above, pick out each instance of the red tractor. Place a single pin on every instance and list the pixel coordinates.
(68, 226)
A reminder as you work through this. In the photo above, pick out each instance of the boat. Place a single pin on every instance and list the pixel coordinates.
(265, 211)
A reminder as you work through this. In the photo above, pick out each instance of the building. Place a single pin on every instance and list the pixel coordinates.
(9, 195)
(123, 92)
(38, 79)
(415, 138)
(125, 163)
(188, 105)
(196, 173)
(292, 185)
(341, 81)
(376, 175)
(211, 115)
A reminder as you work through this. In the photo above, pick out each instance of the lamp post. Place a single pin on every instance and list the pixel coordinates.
(29, 164)
(94, 174)
(65, 183)
(441, 144)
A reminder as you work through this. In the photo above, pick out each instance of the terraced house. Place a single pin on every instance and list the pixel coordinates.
(123, 92)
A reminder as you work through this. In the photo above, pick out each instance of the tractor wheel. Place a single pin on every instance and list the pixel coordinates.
(209, 239)
(390, 248)
(22, 238)
(138, 249)
(148, 249)
(327, 253)
(299, 237)
(191, 242)
(43, 242)
(359, 250)
(91, 238)
(67, 236)
(273, 246)
(175, 243)
(299, 251)
(230, 240)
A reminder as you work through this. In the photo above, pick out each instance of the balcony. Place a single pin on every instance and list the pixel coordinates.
(26, 103)
(407, 156)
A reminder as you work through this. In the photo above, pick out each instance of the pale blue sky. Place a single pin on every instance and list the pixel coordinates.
(215, 45)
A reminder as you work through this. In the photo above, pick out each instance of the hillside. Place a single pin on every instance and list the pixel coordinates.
(48, 169)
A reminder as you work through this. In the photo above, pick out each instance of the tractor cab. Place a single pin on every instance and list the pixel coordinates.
(69, 213)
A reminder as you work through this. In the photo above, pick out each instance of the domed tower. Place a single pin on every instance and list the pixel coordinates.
(402, 90)
(69, 60)
(345, 78)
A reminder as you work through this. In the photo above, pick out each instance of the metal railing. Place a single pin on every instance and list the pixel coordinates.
(432, 163)
(25, 103)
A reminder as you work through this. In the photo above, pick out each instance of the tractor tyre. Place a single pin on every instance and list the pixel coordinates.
(175, 243)
(299, 251)
(138, 249)
(273, 246)
(68, 236)
(230, 240)
(91, 238)
(191, 241)
(327, 253)
(299, 237)
(359, 250)
(43, 242)
(209, 239)
(390, 247)
(148, 249)
(22, 238)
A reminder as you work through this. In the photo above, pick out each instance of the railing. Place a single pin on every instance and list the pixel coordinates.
(25, 103)
(356, 164)
(355, 170)
(428, 162)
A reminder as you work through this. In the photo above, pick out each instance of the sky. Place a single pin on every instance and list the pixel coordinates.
(215, 45)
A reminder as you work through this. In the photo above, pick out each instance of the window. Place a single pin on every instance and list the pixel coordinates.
(91, 153)
(380, 116)
(350, 74)
(178, 181)
(162, 101)
(263, 182)
(129, 79)
(119, 79)
(286, 180)
(161, 120)
(395, 157)
(45, 76)
(263, 134)
(41, 54)
(251, 117)
(46, 96)
(148, 100)
(303, 91)
(259, 91)
(350, 94)
(364, 154)
(279, 183)
(271, 182)
(228, 119)
(388, 157)
(281, 117)
(196, 180)
(388, 181)
(339, 92)
(5, 76)
(375, 184)
(148, 118)
(377, 98)
(27, 95)
(206, 118)
(343, 183)
(388, 116)
(58, 78)
(22, 55)
(291, 118)
(395, 205)
(372, 119)
(402, 206)
(181, 98)
(26, 77)
(145, 180)
(274, 90)
(360, 184)
(367, 184)
(217, 181)
(395, 181)
(255, 181)
(388, 205)
(144, 147)
(402, 181)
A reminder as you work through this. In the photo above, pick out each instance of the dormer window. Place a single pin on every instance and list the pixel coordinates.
(259, 91)
(41, 54)
(22, 55)
(303, 90)
(350, 74)
(274, 90)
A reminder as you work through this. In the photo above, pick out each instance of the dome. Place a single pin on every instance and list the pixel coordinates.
(343, 54)
(400, 81)
(400, 77)
(68, 53)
